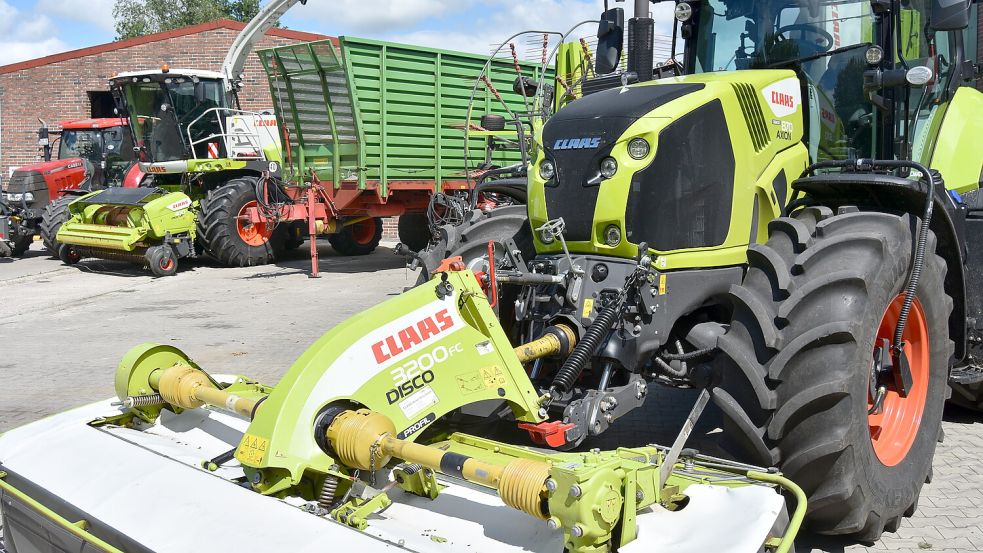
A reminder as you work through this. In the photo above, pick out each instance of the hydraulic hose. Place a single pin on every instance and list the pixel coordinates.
(586, 348)
(932, 179)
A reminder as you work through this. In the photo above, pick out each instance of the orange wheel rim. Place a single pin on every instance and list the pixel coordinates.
(253, 234)
(364, 232)
(167, 264)
(893, 430)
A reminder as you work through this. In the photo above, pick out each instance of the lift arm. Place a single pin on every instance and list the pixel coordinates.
(235, 60)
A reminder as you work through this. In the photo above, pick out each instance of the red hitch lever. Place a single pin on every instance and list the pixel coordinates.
(553, 434)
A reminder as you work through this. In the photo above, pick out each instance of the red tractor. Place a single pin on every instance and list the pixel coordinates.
(91, 154)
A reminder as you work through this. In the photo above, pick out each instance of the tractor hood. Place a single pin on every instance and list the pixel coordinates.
(44, 182)
(583, 133)
(702, 144)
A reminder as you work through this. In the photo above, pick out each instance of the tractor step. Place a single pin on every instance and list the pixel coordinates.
(970, 374)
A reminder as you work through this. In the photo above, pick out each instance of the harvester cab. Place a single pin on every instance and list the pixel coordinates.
(89, 154)
(777, 221)
(188, 121)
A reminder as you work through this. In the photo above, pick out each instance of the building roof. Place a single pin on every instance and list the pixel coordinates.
(146, 39)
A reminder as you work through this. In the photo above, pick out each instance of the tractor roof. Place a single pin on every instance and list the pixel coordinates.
(102, 123)
(176, 72)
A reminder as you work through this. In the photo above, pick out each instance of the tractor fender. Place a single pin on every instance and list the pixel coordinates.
(879, 192)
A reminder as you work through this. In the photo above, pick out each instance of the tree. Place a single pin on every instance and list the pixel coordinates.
(142, 17)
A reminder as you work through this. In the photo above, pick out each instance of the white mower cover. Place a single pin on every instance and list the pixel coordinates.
(149, 487)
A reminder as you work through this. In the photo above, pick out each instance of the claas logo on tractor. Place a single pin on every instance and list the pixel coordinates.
(577, 143)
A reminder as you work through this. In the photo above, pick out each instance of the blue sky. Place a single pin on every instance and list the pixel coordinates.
(34, 28)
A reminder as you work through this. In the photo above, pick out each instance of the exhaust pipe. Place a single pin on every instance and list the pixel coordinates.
(641, 41)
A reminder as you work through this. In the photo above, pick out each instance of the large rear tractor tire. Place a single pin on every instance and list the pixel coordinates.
(55, 214)
(361, 238)
(414, 230)
(469, 240)
(817, 300)
(226, 232)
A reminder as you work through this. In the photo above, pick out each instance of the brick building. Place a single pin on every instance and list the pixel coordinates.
(74, 85)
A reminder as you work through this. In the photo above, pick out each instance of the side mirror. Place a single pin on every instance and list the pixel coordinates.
(949, 15)
(610, 38)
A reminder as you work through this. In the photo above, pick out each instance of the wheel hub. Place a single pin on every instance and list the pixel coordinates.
(898, 383)
(253, 234)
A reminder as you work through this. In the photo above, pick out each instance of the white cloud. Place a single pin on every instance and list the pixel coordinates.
(24, 37)
(97, 13)
(501, 18)
(374, 16)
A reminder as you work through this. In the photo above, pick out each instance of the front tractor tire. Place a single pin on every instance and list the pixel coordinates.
(54, 216)
(226, 232)
(818, 298)
(361, 238)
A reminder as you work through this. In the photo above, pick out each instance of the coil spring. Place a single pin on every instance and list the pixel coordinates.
(325, 499)
(410, 468)
(585, 348)
(146, 401)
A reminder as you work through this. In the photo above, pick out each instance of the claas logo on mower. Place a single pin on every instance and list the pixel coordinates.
(411, 336)
(577, 143)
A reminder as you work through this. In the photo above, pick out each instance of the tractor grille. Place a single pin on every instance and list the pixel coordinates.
(683, 199)
(752, 115)
(604, 117)
(28, 181)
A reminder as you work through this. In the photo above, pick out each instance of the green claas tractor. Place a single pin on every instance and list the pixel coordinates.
(784, 218)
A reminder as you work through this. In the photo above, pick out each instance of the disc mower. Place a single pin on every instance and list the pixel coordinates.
(795, 179)
(359, 447)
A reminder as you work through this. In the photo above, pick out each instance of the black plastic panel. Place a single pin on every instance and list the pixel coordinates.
(683, 199)
(601, 119)
(121, 196)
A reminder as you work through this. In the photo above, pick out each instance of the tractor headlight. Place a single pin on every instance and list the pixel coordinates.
(683, 12)
(638, 148)
(547, 170)
(612, 235)
(874, 55)
(25, 197)
(609, 166)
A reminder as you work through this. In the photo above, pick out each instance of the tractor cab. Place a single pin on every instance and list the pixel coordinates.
(853, 59)
(181, 115)
(104, 143)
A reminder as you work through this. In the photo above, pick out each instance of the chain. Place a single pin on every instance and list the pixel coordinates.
(373, 450)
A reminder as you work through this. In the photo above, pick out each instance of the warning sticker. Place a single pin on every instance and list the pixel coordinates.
(662, 284)
(252, 449)
(417, 402)
(588, 307)
(470, 383)
(493, 377)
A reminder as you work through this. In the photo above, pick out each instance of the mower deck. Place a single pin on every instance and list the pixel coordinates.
(148, 482)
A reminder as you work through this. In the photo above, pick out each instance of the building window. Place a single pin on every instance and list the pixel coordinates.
(101, 102)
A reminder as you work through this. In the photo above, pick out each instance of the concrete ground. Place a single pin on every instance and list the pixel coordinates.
(64, 329)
